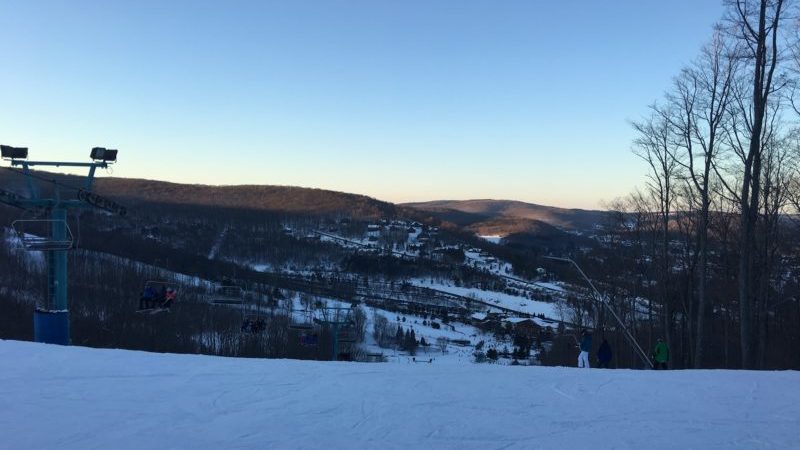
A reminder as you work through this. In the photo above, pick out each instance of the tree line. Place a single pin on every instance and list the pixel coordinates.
(716, 226)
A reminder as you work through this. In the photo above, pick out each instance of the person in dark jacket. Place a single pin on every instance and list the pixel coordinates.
(586, 347)
(661, 355)
(148, 297)
(604, 354)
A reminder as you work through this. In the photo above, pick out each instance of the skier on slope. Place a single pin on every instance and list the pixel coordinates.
(586, 347)
(661, 355)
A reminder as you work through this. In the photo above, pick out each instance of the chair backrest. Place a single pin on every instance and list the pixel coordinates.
(36, 234)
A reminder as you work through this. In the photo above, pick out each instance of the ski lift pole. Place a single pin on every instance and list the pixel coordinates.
(57, 273)
(335, 341)
(631, 339)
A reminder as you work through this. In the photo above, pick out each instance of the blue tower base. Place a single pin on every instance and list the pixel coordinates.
(51, 327)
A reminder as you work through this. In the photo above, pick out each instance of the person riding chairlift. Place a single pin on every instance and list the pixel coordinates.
(169, 298)
(147, 300)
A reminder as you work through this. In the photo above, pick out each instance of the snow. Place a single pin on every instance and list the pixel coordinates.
(501, 299)
(35, 260)
(494, 239)
(80, 398)
(218, 244)
(265, 267)
(549, 286)
(453, 330)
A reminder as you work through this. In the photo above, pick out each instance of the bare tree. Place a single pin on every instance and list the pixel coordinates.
(655, 145)
(777, 167)
(757, 25)
(701, 101)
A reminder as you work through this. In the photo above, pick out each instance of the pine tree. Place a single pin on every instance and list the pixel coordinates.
(411, 342)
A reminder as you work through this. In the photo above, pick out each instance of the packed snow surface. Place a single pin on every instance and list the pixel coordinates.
(79, 398)
(494, 239)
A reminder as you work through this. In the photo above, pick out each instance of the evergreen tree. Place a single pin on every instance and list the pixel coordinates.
(411, 342)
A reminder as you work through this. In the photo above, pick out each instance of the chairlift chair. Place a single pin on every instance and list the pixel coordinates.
(42, 239)
(157, 287)
(346, 335)
(227, 295)
(309, 339)
(254, 324)
(301, 319)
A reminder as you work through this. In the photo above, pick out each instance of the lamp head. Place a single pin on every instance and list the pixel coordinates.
(10, 152)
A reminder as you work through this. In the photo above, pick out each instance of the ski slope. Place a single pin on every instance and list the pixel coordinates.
(80, 398)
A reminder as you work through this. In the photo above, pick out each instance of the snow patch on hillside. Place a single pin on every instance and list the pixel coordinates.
(494, 239)
(501, 299)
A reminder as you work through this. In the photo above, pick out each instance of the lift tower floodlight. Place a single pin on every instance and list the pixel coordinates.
(51, 320)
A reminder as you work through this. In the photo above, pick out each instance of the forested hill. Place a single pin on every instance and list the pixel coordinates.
(503, 217)
(473, 213)
(288, 199)
(135, 193)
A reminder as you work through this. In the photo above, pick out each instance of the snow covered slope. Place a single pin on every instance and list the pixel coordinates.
(80, 398)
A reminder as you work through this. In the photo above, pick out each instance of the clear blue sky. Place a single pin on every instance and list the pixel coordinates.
(399, 100)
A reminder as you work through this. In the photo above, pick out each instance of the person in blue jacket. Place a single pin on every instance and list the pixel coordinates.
(147, 300)
(586, 347)
(604, 354)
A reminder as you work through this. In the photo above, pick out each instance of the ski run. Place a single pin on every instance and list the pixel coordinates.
(81, 398)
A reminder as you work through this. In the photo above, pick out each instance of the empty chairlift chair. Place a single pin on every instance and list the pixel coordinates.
(309, 339)
(227, 295)
(301, 320)
(37, 234)
(347, 335)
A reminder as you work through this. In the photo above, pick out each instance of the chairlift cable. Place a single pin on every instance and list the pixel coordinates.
(41, 178)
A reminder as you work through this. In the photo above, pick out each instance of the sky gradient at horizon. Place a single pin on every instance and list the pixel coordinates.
(402, 101)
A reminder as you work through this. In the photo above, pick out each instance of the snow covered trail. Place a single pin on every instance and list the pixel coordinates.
(80, 398)
(218, 243)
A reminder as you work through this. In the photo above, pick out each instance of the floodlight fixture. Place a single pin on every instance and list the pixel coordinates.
(103, 154)
(10, 152)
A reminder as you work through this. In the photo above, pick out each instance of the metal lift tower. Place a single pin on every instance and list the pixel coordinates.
(339, 319)
(51, 320)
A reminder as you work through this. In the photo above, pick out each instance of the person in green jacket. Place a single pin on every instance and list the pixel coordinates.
(661, 355)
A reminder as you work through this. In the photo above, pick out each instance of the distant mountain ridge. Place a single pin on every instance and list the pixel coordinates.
(486, 217)
(286, 199)
(135, 192)
(500, 214)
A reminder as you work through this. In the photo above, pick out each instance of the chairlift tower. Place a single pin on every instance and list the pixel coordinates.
(337, 319)
(51, 321)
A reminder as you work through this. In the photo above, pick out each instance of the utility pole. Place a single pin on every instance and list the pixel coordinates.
(51, 320)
